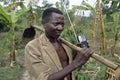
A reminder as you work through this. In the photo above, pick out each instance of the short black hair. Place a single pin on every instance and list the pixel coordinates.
(48, 12)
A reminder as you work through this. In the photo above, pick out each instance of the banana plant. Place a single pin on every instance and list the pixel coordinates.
(11, 18)
(98, 24)
(103, 45)
(112, 14)
(115, 31)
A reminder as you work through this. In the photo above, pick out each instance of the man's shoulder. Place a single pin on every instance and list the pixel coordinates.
(35, 41)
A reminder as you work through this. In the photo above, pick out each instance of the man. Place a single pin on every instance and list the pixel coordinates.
(46, 57)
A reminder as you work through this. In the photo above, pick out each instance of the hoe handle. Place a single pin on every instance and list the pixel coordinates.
(95, 56)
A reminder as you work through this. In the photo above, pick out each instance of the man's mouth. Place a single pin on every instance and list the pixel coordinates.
(58, 32)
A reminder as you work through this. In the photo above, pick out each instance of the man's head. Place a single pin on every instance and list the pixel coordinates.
(47, 14)
(53, 22)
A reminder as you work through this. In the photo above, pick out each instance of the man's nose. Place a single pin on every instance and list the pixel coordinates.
(60, 27)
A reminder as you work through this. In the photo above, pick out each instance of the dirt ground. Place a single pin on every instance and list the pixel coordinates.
(24, 74)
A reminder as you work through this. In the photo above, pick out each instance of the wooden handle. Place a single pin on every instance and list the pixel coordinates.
(38, 27)
(95, 56)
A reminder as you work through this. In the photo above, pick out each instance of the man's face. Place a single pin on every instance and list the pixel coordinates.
(54, 26)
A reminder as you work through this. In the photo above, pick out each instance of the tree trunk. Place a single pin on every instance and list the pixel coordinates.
(12, 53)
(99, 31)
(115, 43)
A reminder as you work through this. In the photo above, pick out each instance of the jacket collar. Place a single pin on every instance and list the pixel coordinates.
(50, 50)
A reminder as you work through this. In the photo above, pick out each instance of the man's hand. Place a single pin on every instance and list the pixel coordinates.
(82, 57)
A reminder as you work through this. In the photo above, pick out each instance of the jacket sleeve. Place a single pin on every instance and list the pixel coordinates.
(35, 64)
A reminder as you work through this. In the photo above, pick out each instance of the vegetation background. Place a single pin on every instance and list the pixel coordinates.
(101, 28)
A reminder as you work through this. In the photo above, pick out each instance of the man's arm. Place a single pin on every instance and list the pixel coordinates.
(41, 71)
(80, 59)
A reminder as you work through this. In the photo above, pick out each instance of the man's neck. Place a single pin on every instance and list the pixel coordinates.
(52, 39)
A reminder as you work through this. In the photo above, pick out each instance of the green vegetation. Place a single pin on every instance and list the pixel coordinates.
(100, 26)
(8, 73)
(11, 73)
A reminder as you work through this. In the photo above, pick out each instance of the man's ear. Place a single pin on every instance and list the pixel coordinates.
(44, 23)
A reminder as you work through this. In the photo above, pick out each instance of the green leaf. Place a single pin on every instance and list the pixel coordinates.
(13, 16)
(86, 6)
(116, 16)
(5, 14)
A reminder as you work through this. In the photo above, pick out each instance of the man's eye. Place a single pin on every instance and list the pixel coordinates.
(62, 24)
(55, 24)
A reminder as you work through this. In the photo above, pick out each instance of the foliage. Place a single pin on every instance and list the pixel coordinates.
(110, 10)
(12, 73)
(7, 72)
(86, 6)
(12, 17)
(20, 20)
(91, 71)
(3, 25)
(5, 42)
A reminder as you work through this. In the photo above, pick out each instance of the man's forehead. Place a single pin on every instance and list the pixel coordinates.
(57, 15)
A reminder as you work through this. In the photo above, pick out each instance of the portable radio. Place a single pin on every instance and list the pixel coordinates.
(83, 41)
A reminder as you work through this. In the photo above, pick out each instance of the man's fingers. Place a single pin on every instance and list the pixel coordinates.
(86, 52)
